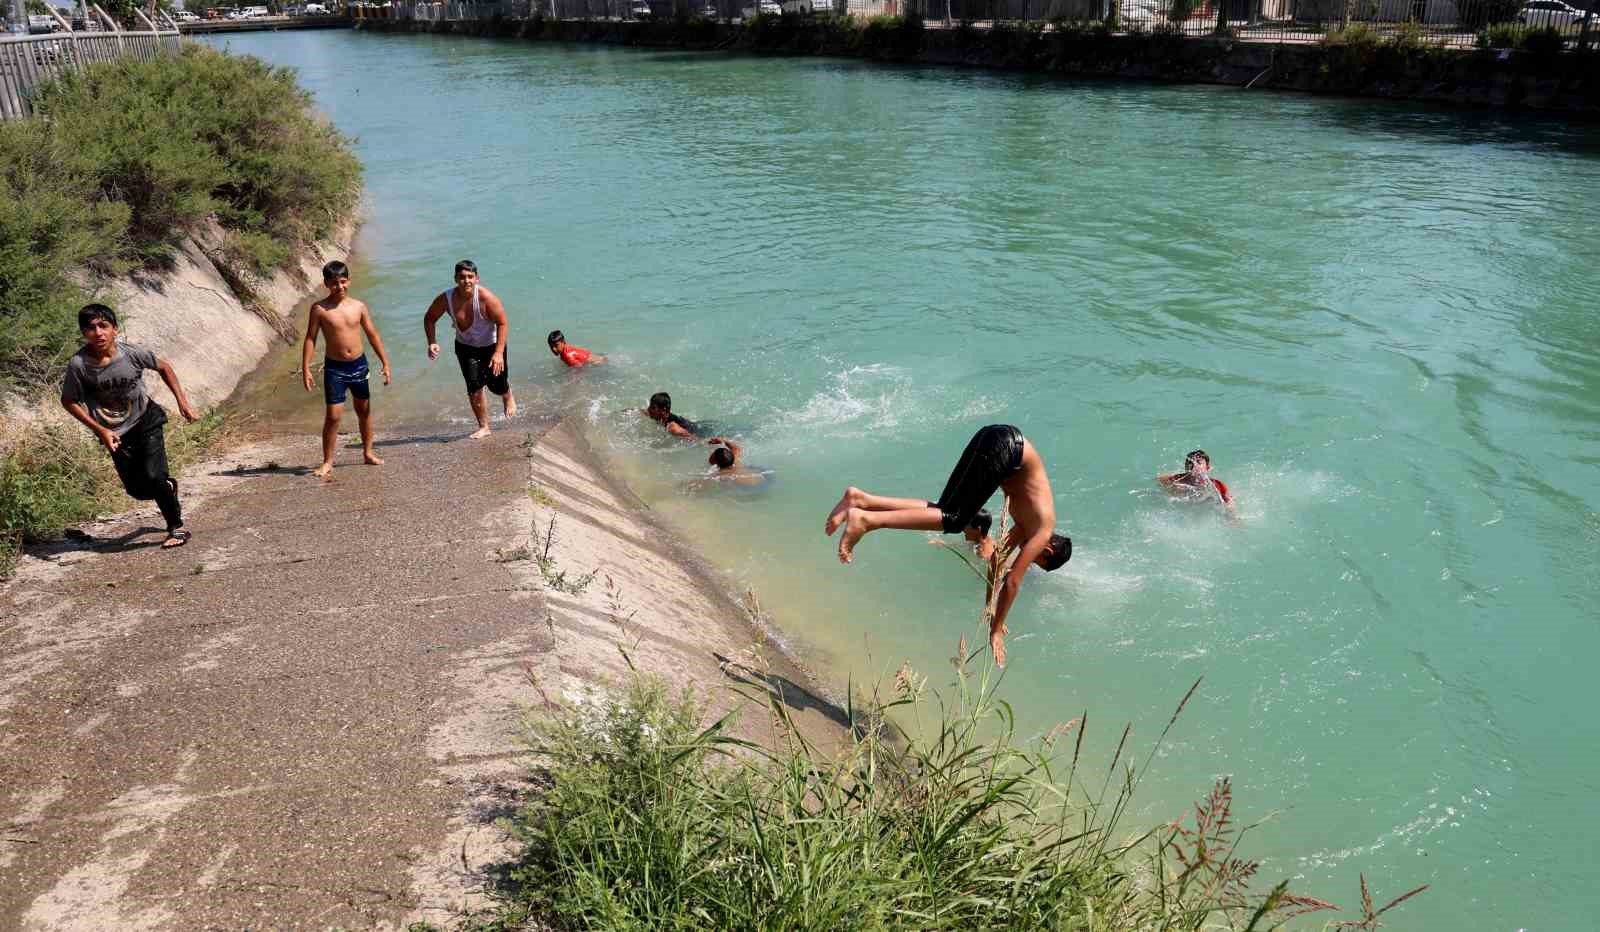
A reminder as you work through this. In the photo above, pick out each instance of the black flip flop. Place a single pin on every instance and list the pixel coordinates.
(181, 535)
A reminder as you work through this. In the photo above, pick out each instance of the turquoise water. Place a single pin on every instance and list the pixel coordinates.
(1380, 321)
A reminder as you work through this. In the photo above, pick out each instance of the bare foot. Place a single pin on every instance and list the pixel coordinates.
(997, 644)
(511, 405)
(478, 434)
(836, 516)
(321, 472)
(855, 527)
(370, 458)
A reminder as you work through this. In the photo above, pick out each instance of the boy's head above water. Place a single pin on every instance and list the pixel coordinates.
(722, 458)
(556, 339)
(660, 405)
(1196, 461)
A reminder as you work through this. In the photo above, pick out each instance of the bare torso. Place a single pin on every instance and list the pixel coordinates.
(1033, 504)
(341, 328)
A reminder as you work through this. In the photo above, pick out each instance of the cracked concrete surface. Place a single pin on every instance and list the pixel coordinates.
(309, 716)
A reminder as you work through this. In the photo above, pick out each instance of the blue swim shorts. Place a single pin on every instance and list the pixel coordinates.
(338, 376)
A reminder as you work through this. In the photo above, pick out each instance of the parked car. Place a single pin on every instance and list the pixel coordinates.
(640, 9)
(316, 9)
(1542, 13)
(710, 11)
(39, 25)
(765, 8)
(184, 16)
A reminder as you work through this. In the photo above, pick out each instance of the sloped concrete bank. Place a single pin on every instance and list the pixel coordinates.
(1567, 83)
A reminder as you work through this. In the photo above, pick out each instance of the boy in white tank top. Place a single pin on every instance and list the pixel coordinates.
(479, 321)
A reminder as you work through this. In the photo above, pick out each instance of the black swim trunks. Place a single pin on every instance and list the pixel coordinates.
(474, 362)
(348, 375)
(992, 456)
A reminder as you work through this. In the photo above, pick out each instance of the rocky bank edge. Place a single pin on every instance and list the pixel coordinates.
(309, 717)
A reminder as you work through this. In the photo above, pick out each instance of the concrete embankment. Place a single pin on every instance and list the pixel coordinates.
(308, 717)
(1567, 83)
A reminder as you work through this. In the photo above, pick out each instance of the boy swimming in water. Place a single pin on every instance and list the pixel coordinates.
(660, 411)
(573, 356)
(728, 457)
(342, 320)
(1196, 481)
(997, 457)
(104, 390)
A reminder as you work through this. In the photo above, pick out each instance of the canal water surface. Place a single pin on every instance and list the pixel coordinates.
(1380, 321)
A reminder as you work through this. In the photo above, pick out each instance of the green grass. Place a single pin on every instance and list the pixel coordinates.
(653, 817)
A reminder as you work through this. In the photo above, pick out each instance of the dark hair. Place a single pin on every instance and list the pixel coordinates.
(93, 312)
(1194, 456)
(335, 269)
(555, 337)
(722, 458)
(1059, 553)
(466, 265)
(661, 400)
(982, 521)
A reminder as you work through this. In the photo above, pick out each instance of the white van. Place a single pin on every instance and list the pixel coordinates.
(256, 12)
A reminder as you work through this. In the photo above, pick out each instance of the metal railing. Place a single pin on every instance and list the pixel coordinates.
(29, 61)
(1442, 23)
(1439, 23)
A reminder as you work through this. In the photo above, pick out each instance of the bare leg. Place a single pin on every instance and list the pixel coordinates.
(866, 501)
(858, 521)
(364, 418)
(480, 410)
(330, 436)
(510, 403)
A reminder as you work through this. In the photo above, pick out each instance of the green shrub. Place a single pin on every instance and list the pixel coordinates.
(52, 481)
(1354, 36)
(48, 231)
(1409, 36)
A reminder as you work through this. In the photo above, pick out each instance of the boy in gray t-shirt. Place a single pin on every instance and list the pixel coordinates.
(104, 389)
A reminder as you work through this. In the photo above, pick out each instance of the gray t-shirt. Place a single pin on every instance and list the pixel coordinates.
(114, 393)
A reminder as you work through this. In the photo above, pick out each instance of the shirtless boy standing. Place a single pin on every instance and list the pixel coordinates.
(342, 320)
(997, 457)
(481, 329)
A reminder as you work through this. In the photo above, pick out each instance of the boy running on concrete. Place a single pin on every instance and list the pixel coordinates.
(481, 332)
(104, 390)
(997, 457)
(342, 320)
(573, 356)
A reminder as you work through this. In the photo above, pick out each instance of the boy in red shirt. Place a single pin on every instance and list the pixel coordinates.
(573, 356)
(1196, 481)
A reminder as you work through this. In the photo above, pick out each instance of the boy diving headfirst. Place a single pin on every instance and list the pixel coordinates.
(997, 457)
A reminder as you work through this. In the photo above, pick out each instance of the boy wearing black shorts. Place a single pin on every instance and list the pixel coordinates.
(342, 320)
(104, 390)
(997, 457)
(481, 329)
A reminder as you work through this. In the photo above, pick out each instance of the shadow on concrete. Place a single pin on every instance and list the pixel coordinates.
(270, 469)
(76, 541)
(795, 696)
